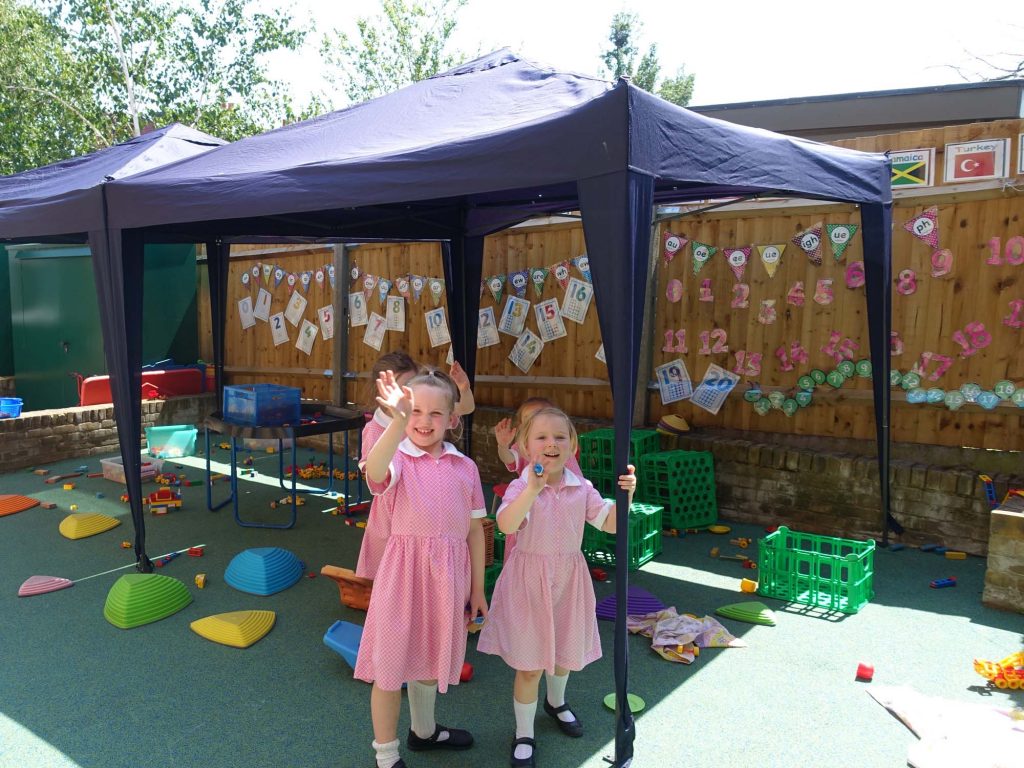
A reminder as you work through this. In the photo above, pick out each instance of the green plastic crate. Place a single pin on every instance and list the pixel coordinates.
(683, 482)
(491, 578)
(606, 485)
(821, 571)
(597, 449)
(644, 538)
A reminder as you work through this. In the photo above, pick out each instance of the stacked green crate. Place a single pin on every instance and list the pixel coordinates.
(491, 578)
(683, 482)
(645, 523)
(597, 455)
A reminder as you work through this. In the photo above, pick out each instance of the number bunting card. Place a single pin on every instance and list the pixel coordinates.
(325, 315)
(373, 336)
(513, 317)
(307, 335)
(245, 312)
(549, 321)
(437, 327)
(357, 309)
(526, 351)
(578, 295)
(296, 308)
(278, 330)
(673, 381)
(396, 313)
(487, 329)
(714, 388)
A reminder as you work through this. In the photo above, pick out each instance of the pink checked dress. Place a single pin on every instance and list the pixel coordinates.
(542, 612)
(375, 535)
(416, 626)
(517, 466)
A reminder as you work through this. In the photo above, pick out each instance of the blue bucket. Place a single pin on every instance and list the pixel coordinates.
(10, 407)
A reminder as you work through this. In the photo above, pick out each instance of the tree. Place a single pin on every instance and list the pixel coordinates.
(621, 60)
(407, 44)
(42, 118)
(199, 62)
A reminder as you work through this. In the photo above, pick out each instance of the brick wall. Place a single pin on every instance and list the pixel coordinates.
(41, 437)
(7, 387)
(1004, 577)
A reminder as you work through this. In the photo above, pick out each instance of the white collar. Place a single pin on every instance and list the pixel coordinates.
(410, 449)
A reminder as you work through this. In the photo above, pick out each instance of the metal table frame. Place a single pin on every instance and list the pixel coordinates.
(319, 419)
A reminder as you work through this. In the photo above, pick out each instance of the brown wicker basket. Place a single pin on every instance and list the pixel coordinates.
(355, 590)
(488, 542)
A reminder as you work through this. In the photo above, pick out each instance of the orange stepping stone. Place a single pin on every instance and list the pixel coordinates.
(11, 503)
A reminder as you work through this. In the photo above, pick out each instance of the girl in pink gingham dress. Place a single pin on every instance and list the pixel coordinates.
(431, 568)
(542, 617)
(375, 535)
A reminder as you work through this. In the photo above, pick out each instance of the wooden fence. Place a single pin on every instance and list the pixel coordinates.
(958, 309)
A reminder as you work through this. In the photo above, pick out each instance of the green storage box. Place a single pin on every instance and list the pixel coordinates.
(645, 522)
(821, 571)
(683, 482)
(597, 450)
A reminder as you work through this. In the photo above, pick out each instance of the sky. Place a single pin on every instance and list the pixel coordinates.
(739, 50)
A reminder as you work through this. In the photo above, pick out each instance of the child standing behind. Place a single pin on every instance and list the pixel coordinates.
(432, 565)
(375, 535)
(543, 616)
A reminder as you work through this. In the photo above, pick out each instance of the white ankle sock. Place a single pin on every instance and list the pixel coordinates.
(525, 715)
(387, 754)
(556, 694)
(421, 710)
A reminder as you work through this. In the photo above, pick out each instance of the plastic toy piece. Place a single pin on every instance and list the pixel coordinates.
(195, 551)
(126, 544)
(865, 672)
(990, 490)
(57, 478)
(721, 529)
(142, 598)
(40, 585)
(741, 542)
(239, 629)
(942, 583)
(636, 704)
(1008, 673)
(344, 637)
(263, 570)
(200, 580)
(355, 590)
(953, 554)
(599, 574)
(748, 585)
(12, 503)
(538, 469)
(69, 486)
(83, 524)
(467, 672)
(752, 611)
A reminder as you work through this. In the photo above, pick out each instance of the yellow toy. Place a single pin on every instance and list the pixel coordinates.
(1008, 673)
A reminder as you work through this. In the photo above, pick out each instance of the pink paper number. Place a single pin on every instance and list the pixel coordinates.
(719, 336)
(705, 291)
(796, 294)
(680, 339)
(740, 294)
(747, 364)
(906, 282)
(855, 275)
(895, 344)
(942, 364)
(973, 338)
(840, 349)
(942, 262)
(1014, 253)
(797, 354)
(1014, 319)
(823, 292)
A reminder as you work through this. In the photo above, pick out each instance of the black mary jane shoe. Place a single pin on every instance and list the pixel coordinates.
(572, 727)
(523, 762)
(457, 739)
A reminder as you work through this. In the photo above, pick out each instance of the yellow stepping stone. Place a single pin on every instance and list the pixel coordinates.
(82, 524)
(239, 629)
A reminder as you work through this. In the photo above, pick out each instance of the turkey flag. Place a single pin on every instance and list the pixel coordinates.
(974, 164)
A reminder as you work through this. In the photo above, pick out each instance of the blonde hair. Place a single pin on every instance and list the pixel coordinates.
(540, 402)
(524, 430)
(435, 377)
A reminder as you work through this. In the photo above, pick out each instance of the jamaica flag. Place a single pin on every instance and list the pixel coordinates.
(911, 169)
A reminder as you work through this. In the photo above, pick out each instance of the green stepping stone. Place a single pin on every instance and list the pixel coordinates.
(142, 598)
(751, 611)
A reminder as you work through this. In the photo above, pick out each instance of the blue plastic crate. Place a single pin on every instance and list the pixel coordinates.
(262, 404)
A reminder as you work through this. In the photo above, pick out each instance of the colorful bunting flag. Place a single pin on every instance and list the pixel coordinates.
(702, 253)
(418, 283)
(519, 281)
(369, 283)
(561, 270)
(925, 226)
(436, 289)
(840, 236)
(771, 256)
(583, 265)
(673, 244)
(402, 284)
(809, 241)
(383, 288)
(538, 276)
(737, 258)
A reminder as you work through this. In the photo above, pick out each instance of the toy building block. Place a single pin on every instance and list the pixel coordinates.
(48, 505)
(942, 583)
(354, 590)
(953, 554)
(69, 486)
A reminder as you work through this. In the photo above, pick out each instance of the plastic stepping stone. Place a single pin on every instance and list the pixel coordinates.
(639, 602)
(239, 629)
(79, 525)
(752, 612)
(11, 503)
(142, 598)
(263, 570)
(40, 585)
(344, 637)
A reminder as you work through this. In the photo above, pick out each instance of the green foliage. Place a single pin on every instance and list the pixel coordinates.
(41, 117)
(621, 60)
(407, 44)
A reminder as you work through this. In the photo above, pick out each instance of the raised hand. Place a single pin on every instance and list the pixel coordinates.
(459, 376)
(395, 400)
(504, 433)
